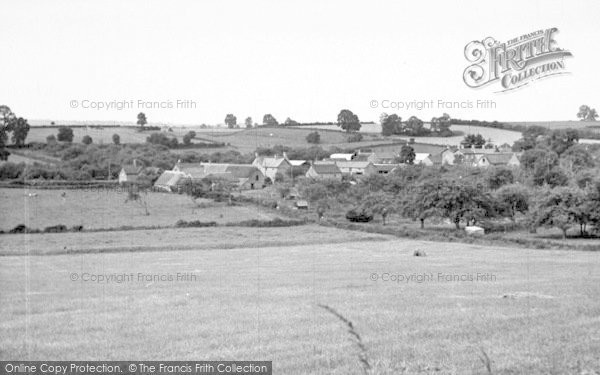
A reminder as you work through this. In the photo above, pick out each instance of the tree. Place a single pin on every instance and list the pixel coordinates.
(313, 137)
(560, 208)
(421, 202)
(348, 121)
(391, 124)
(379, 203)
(141, 119)
(20, 130)
(116, 139)
(51, 139)
(407, 155)
(187, 138)
(414, 126)
(441, 125)
(476, 141)
(382, 118)
(87, 140)
(7, 119)
(512, 199)
(586, 113)
(269, 120)
(248, 122)
(498, 177)
(134, 195)
(577, 158)
(230, 121)
(290, 122)
(65, 134)
(162, 139)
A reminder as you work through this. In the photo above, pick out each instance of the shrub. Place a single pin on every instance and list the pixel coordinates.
(11, 171)
(87, 140)
(56, 229)
(361, 216)
(195, 224)
(313, 137)
(65, 134)
(355, 137)
(51, 139)
(116, 139)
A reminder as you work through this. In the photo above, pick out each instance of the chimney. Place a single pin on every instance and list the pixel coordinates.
(135, 163)
(256, 155)
(285, 155)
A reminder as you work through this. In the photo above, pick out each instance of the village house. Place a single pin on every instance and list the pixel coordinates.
(423, 158)
(378, 157)
(245, 176)
(322, 171)
(356, 168)
(385, 168)
(272, 166)
(130, 173)
(448, 156)
(169, 181)
(498, 159)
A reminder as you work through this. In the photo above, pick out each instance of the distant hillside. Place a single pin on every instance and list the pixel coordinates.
(559, 124)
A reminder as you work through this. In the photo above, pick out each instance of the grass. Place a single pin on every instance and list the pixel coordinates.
(262, 302)
(106, 208)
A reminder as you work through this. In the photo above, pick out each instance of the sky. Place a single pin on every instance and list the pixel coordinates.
(305, 60)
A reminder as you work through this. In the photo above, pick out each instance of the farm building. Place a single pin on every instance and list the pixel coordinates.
(423, 158)
(302, 204)
(346, 157)
(356, 167)
(323, 171)
(380, 157)
(129, 173)
(448, 156)
(246, 176)
(168, 181)
(271, 166)
(385, 168)
(498, 159)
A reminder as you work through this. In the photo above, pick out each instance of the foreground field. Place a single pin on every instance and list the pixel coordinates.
(539, 313)
(106, 208)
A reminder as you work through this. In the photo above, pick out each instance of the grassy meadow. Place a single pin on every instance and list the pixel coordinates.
(106, 208)
(538, 315)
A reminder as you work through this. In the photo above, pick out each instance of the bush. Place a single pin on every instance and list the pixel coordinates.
(116, 139)
(56, 229)
(355, 137)
(195, 224)
(361, 216)
(51, 139)
(11, 171)
(65, 134)
(162, 139)
(313, 137)
(87, 140)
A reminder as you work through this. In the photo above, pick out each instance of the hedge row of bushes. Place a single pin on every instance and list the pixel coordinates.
(60, 228)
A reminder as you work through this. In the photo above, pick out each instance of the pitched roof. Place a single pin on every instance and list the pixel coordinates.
(297, 163)
(342, 156)
(386, 167)
(499, 158)
(168, 178)
(352, 164)
(420, 156)
(326, 168)
(132, 169)
(270, 162)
